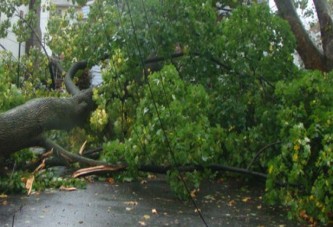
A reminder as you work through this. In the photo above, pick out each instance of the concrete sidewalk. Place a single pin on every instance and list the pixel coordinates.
(224, 203)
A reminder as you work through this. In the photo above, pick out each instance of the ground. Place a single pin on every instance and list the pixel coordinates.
(226, 202)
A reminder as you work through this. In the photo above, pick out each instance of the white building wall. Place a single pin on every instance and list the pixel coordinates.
(10, 43)
(44, 18)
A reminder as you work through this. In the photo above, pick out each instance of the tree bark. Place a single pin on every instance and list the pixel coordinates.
(326, 29)
(310, 54)
(313, 57)
(24, 126)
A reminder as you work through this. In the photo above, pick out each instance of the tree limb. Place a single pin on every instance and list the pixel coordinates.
(312, 57)
(326, 26)
(70, 86)
(72, 157)
(24, 125)
(260, 152)
(164, 169)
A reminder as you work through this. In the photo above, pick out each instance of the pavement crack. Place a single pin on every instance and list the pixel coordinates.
(17, 210)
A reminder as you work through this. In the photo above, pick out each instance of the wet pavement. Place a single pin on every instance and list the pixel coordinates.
(228, 202)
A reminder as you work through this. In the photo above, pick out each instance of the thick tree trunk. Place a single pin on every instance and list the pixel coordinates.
(24, 125)
(313, 58)
(326, 29)
(310, 54)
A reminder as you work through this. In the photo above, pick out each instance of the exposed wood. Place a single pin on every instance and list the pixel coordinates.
(97, 169)
(164, 169)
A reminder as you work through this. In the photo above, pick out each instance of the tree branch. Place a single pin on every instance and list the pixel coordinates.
(72, 157)
(310, 54)
(326, 26)
(70, 86)
(24, 125)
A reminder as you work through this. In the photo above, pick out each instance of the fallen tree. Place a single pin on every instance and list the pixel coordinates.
(25, 125)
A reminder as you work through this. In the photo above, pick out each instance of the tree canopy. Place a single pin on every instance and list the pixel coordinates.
(194, 85)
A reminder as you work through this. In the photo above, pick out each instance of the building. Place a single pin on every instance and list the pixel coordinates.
(10, 43)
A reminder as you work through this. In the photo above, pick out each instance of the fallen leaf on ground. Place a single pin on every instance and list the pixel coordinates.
(3, 196)
(154, 211)
(246, 199)
(110, 180)
(209, 197)
(131, 203)
(142, 223)
(151, 176)
(231, 203)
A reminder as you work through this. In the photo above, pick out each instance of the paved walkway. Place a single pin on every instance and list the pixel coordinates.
(223, 203)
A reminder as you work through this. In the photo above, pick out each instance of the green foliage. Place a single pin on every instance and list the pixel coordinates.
(177, 120)
(22, 27)
(15, 182)
(12, 183)
(10, 95)
(236, 61)
(24, 80)
(48, 179)
(231, 92)
(304, 164)
(171, 128)
(256, 47)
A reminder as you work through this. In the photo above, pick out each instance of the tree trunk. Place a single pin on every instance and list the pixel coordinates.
(326, 29)
(313, 58)
(24, 126)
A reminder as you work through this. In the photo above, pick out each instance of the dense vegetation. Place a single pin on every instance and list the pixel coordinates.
(183, 86)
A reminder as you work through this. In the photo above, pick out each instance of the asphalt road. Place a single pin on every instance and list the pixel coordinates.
(223, 203)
